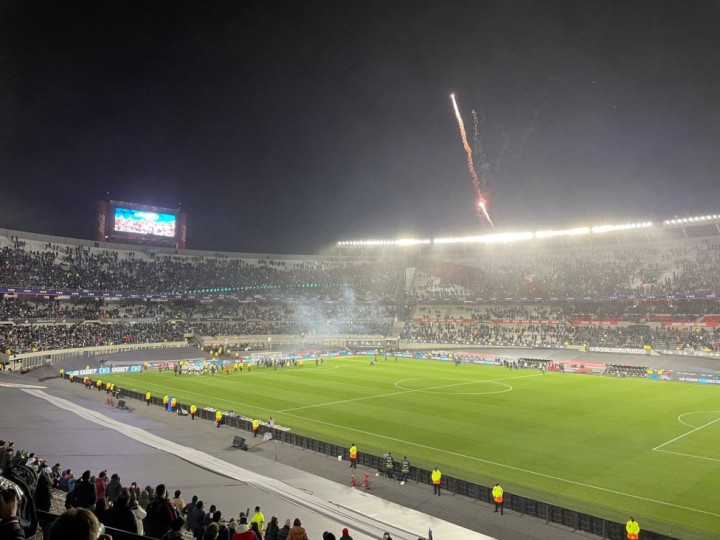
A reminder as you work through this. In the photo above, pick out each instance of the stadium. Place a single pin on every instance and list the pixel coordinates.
(576, 367)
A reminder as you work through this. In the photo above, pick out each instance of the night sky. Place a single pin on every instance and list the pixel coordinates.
(284, 127)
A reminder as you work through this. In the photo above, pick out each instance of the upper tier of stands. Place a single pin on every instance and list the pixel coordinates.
(670, 267)
(443, 296)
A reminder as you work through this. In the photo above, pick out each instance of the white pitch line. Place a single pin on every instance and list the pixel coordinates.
(688, 455)
(502, 465)
(680, 417)
(512, 467)
(686, 434)
(399, 392)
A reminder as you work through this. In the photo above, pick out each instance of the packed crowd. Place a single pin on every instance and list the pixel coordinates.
(328, 297)
(634, 336)
(656, 270)
(24, 338)
(79, 268)
(625, 311)
(94, 502)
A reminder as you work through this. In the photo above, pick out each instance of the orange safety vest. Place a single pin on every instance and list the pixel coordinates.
(633, 530)
(353, 453)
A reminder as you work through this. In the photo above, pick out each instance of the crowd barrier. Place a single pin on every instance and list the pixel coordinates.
(549, 513)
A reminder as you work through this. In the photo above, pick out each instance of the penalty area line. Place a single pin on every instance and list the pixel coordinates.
(689, 455)
(686, 434)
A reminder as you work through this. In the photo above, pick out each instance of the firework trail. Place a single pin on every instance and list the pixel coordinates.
(476, 131)
(481, 203)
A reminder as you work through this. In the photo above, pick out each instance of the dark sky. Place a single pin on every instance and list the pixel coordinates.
(285, 126)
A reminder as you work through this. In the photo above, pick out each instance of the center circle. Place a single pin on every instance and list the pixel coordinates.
(438, 386)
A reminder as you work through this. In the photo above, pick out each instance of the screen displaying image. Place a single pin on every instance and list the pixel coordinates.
(144, 222)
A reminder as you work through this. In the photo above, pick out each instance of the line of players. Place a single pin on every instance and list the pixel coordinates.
(204, 367)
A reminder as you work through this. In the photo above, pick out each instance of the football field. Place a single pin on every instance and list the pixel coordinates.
(606, 446)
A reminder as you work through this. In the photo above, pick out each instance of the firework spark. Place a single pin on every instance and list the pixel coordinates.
(482, 203)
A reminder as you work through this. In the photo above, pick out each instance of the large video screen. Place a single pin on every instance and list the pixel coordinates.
(144, 222)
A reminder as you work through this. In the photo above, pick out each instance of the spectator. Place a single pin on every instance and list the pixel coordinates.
(121, 516)
(346, 534)
(113, 488)
(101, 508)
(211, 532)
(175, 532)
(144, 499)
(161, 514)
(187, 511)
(226, 530)
(284, 531)
(84, 494)
(10, 528)
(78, 524)
(297, 532)
(272, 529)
(101, 484)
(138, 512)
(197, 521)
(254, 527)
(178, 502)
(209, 515)
(43, 490)
(242, 531)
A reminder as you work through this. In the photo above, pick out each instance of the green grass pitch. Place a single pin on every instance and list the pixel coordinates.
(606, 446)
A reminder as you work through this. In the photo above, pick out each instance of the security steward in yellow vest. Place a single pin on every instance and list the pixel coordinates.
(218, 418)
(632, 528)
(353, 456)
(148, 396)
(436, 477)
(497, 493)
(193, 411)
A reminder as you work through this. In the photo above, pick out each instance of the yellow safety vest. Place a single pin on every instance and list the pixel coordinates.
(436, 476)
